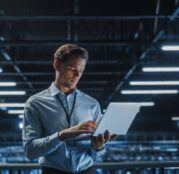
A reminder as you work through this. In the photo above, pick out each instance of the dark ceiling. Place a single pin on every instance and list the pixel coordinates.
(121, 36)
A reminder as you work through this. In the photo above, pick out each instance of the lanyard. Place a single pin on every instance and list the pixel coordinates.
(68, 115)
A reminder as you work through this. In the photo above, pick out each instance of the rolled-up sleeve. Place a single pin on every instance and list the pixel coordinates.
(34, 144)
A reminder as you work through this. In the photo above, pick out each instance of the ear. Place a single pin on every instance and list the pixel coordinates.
(56, 64)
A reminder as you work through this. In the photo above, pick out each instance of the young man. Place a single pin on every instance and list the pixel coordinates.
(57, 118)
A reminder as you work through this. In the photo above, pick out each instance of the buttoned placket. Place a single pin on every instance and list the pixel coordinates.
(68, 100)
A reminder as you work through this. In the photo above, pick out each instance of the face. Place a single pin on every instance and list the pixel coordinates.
(71, 71)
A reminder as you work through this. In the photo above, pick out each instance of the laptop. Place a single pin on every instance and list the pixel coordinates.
(117, 118)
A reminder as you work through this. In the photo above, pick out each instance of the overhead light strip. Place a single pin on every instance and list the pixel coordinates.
(138, 103)
(15, 111)
(8, 83)
(170, 48)
(1, 70)
(176, 118)
(138, 83)
(12, 92)
(12, 105)
(149, 91)
(21, 116)
(160, 69)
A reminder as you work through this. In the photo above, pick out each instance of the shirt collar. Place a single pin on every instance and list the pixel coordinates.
(54, 90)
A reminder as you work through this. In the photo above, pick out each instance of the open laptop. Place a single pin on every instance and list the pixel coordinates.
(117, 118)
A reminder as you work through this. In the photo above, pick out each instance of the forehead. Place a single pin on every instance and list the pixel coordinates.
(75, 61)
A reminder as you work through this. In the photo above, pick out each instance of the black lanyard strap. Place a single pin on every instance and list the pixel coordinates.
(68, 115)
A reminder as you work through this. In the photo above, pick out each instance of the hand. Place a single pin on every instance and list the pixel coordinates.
(99, 141)
(86, 127)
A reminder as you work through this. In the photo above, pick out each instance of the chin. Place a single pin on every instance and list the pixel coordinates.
(72, 86)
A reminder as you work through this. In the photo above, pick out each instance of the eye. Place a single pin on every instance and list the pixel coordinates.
(81, 70)
(73, 69)
(76, 69)
(69, 68)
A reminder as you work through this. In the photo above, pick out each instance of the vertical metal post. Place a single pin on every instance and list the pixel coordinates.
(76, 12)
(156, 19)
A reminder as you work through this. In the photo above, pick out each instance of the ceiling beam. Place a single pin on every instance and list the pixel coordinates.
(102, 82)
(49, 62)
(60, 42)
(51, 73)
(76, 17)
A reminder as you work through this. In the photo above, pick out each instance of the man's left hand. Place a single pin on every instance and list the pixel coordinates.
(99, 141)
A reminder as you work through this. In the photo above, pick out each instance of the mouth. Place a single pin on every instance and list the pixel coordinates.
(74, 80)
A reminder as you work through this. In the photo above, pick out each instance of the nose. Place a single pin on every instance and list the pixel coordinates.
(77, 73)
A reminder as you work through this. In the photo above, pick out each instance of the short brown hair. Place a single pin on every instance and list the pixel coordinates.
(67, 51)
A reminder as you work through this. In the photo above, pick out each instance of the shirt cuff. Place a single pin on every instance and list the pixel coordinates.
(54, 140)
(97, 154)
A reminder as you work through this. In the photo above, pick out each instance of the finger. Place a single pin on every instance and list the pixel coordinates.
(87, 127)
(83, 129)
(101, 139)
(93, 141)
(90, 124)
(114, 136)
(106, 136)
(86, 130)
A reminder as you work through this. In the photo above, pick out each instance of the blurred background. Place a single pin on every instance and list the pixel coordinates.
(134, 58)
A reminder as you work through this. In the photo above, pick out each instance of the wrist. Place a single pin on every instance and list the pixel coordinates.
(98, 149)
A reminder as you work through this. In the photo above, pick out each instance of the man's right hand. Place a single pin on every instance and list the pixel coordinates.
(86, 127)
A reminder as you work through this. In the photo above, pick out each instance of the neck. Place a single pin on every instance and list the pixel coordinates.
(63, 88)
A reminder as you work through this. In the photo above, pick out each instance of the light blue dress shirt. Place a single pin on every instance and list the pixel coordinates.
(44, 117)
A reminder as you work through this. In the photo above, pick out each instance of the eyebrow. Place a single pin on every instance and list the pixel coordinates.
(75, 66)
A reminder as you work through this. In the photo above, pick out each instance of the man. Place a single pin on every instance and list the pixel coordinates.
(56, 119)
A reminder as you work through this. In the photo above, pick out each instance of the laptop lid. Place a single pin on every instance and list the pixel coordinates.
(117, 118)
